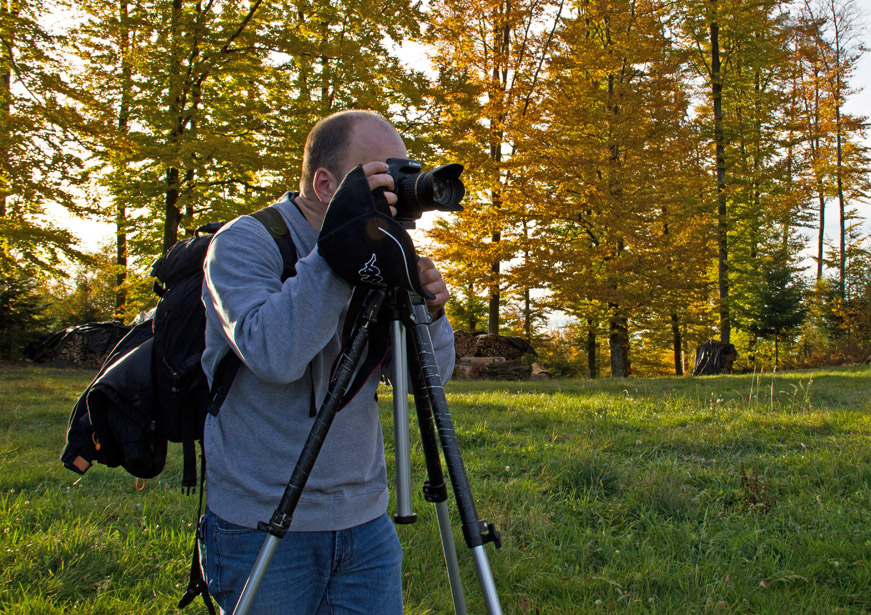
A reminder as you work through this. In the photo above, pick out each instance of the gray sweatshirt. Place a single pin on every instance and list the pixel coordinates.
(288, 336)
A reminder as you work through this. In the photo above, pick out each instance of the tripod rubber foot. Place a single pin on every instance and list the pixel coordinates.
(405, 519)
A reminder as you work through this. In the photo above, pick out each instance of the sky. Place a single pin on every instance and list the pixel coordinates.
(93, 234)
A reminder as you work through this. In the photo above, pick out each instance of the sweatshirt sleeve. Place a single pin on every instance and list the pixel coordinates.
(276, 328)
(442, 335)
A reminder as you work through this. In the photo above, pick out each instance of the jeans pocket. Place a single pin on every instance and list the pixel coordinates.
(225, 528)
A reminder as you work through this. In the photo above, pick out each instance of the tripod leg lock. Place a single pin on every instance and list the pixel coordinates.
(277, 526)
(435, 493)
(481, 532)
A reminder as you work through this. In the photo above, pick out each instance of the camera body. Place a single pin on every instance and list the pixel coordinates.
(420, 191)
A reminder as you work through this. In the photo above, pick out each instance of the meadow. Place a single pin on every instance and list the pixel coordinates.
(728, 494)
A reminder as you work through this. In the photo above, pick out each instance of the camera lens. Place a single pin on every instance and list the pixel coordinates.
(447, 192)
(446, 189)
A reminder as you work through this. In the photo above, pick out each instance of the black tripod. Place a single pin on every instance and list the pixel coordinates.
(409, 316)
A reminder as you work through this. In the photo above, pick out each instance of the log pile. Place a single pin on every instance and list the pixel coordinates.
(82, 346)
(494, 357)
(464, 344)
(508, 346)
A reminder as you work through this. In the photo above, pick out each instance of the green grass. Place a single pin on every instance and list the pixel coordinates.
(731, 494)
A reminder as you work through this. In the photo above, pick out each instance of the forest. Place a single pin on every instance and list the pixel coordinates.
(641, 175)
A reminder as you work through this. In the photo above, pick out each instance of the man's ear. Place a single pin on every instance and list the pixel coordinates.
(324, 184)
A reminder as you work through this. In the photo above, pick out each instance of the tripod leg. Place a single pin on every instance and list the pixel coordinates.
(450, 551)
(435, 490)
(404, 510)
(429, 392)
(255, 578)
(281, 518)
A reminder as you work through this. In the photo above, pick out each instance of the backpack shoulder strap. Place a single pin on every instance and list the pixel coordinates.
(225, 373)
(274, 222)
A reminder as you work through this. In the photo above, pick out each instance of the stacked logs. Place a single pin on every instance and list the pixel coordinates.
(494, 357)
(82, 346)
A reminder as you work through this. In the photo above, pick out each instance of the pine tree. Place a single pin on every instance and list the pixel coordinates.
(780, 308)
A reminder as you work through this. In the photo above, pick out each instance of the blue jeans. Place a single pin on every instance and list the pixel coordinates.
(355, 571)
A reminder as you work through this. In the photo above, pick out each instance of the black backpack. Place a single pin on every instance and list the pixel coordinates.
(151, 388)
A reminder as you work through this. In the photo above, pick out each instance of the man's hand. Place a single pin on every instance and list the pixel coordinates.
(376, 173)
(432, 280)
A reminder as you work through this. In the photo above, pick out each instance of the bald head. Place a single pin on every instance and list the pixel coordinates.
(343, 140)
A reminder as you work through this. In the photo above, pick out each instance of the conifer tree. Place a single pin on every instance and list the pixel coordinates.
(780, 309)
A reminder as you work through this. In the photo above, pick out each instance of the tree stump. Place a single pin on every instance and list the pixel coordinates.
(714, 357)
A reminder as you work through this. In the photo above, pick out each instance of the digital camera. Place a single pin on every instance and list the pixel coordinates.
(420, 191)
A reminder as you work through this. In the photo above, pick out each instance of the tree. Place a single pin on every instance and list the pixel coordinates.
(780, 308)
(21, 312)
(490, 54)
(466, 309)
(611, 173)
(107, 48)
(39, 158)
(198, 111)
(738, 49)
(832, 28)
(87, 296)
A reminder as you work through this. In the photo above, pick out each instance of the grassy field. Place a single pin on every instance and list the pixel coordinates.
(732, 494)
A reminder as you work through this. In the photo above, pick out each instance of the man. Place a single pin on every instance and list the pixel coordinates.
(341, 554)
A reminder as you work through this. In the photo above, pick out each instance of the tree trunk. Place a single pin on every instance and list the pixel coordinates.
(527, 315)
(7, 12)
(618, 341)
(123, 120)
(5, 121)
(502, 42)
(592, 350)
(839, 169)
(821, 241)
(751, 346)
(493, 310)
(720, 143)
(120, 260)
(171, 213)
(677, 344)
(814, 144)
(842, 210)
